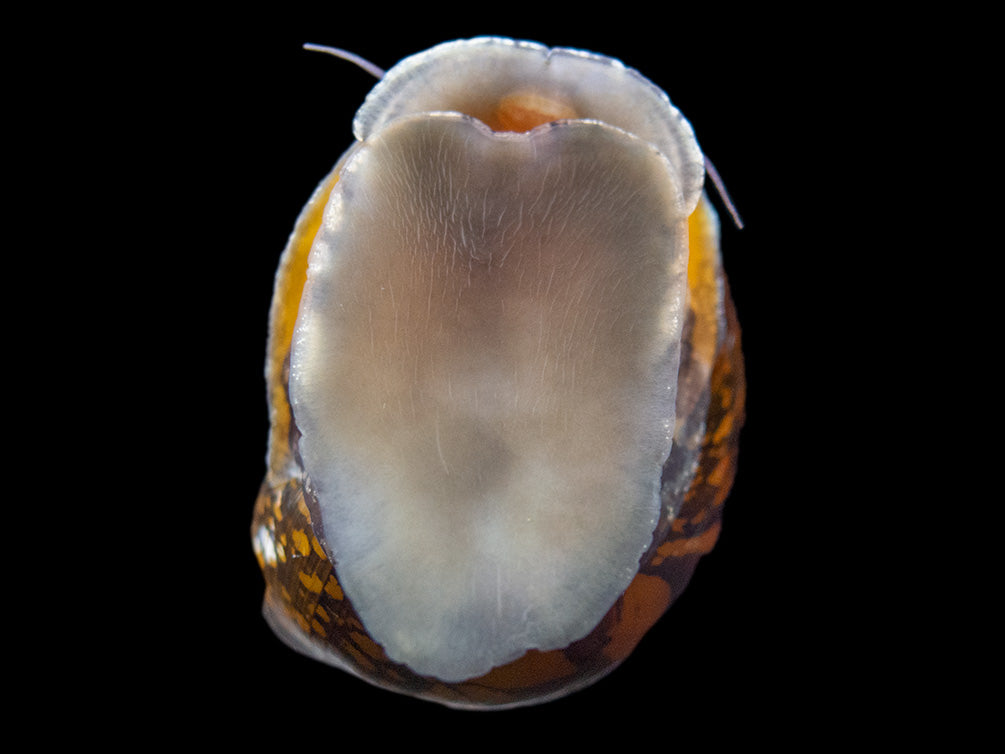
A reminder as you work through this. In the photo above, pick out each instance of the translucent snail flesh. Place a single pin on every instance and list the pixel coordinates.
(504, 379)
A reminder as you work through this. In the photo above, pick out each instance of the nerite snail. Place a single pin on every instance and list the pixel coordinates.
(504, 379)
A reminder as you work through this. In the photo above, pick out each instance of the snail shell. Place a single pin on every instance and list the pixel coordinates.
(504, 379)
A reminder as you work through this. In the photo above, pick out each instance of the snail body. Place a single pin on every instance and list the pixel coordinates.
(504, 379)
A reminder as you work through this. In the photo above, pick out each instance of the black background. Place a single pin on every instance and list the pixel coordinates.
(244, 124)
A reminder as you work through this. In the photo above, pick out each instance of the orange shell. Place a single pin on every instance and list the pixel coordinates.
(302, 588)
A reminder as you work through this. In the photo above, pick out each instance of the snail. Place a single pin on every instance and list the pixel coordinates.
(504, 379)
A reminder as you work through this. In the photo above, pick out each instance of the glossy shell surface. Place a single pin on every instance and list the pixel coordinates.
(308, 601)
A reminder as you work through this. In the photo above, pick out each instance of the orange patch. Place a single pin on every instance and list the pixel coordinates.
(333, 589)
(300, 542)
(700, 544)
(311, 582)
(524, 110)
(318, 549)
(717, 476)
(643, 603)
(303, 510)
(533, 668)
